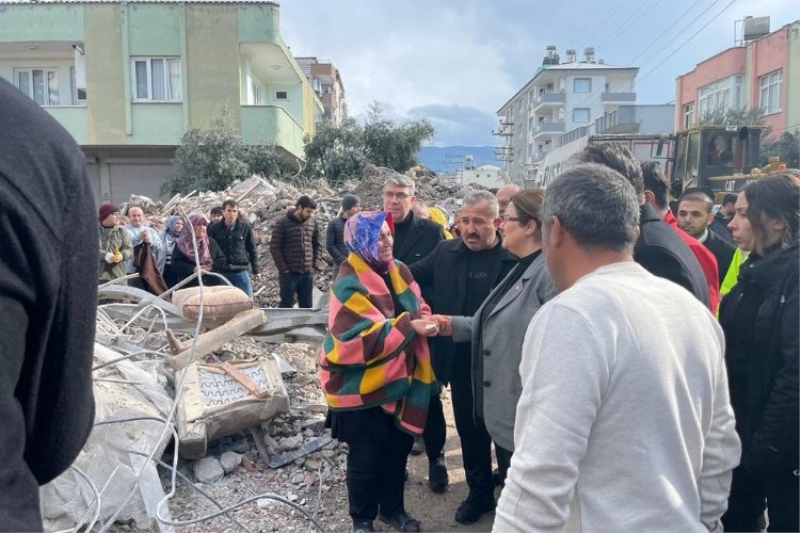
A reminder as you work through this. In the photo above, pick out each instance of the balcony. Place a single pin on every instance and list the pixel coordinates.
(548, 99)
(548, 128)
(73, 119)
(269, 124)
(618, 98)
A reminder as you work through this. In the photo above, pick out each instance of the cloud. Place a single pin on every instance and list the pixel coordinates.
(458, 125)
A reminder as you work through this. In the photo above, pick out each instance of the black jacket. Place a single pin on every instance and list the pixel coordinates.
(445, 271)
(48, 305)
(295, 244)
(662, 252)
(421, 239)
(183, 266)
(237, 245)
(720, 226)
(761, 320)
(334, 240)
(722, 251)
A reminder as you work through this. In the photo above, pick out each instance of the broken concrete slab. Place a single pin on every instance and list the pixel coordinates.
(208, 470)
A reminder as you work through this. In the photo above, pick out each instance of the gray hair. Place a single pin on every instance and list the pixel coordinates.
(476, 197)
(597, 205)
(401, 181)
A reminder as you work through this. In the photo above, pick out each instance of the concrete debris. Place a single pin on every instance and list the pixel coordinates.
(208, 470)
(230, 461)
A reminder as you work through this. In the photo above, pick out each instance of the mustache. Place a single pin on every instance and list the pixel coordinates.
(472, 235)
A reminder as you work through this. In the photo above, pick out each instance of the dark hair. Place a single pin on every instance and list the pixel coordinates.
(617, 157)
(230, 202)
(305, 201)
(596, 205)
(729, 198)
(216, 210)
(698, 197)
(776, 196)
(655, 182)
(528, 204)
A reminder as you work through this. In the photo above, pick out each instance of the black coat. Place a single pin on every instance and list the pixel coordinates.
(722, 251)
(761, 320)
(48, 305)
(421, 239)
(183, 266)
(238, 246)
(334, 240)
(662, 252)
(445, 271)
(720, 226)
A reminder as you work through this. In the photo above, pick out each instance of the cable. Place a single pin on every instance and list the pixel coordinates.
(678, 19)
(589, 39)
(637, 15)
(95, 505)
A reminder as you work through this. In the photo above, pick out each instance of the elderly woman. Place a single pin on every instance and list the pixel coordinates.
(760, 318)
(185, 259)
(375, 370)
(170, 237)
(498, 327)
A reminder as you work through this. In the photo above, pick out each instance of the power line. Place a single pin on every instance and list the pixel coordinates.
(678, 19)
(637, 15)
(601, 26)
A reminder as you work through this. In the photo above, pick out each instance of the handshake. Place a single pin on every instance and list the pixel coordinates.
(432, 325)
(113, 257)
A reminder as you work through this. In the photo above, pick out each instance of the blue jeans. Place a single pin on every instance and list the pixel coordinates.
(240, 280)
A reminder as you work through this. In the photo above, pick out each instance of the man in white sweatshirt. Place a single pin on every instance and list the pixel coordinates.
(624, 423)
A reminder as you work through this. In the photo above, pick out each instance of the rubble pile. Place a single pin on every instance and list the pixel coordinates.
(261, 202)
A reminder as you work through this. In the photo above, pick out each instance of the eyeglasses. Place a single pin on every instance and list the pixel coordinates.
(399, 195)
(507, 218)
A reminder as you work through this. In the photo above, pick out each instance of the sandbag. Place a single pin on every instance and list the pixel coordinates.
(219, 302)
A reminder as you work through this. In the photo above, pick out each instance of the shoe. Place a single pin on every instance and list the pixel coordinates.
(497, 481)
(362, 526)
(401, 521)
(475, 506)
(419, 445)
(438, 480)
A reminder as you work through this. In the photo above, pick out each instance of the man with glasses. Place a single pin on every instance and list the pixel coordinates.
(504, 195)
(414, 239)
(462, 273)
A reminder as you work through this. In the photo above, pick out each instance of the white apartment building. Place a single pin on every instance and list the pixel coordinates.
(561, 98)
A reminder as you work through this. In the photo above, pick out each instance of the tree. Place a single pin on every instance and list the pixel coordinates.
(340, 152)
(213, 158)
(785, 146)
(732, 117)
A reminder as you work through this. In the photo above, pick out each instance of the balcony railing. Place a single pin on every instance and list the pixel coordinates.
(549, 127)
(618, 97)
(273, 125)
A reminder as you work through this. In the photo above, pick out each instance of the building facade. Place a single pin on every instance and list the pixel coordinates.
(327, 83)
(763, 73)
(128, 79)
(560, 98)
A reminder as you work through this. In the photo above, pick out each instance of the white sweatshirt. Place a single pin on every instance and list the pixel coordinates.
(624, 423)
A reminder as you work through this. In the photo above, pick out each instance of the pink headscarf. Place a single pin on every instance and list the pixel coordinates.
(185, 245)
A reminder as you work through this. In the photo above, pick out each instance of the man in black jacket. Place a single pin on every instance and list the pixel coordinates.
(235, 238)
(659, 249)
(462, 272)
(48, 298)
(295, 247)
(694, 217)
(414, 239)
(334, 234)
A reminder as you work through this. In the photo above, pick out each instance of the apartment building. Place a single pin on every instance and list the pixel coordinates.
(327, 83)
(762, 72)
(128, 79)
(560, 98)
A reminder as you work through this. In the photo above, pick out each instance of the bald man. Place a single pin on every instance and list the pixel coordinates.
(504, 195)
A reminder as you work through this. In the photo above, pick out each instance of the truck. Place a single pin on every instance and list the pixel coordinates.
(719, 158)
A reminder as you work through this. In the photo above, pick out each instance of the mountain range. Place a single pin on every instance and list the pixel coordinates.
(450, 158)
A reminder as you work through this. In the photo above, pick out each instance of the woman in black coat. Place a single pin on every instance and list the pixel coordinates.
(184, 262)
(760, 318)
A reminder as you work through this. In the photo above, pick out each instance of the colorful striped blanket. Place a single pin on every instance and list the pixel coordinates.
(370, 357)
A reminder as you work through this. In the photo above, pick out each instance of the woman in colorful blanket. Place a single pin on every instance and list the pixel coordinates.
(375, 370)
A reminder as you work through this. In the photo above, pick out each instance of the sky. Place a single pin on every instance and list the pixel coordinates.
(456, 62)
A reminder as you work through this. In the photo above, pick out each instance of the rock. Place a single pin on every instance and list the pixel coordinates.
(312, 464)
(208, 470)
(230, 461)
(240, 445)
(290, 443)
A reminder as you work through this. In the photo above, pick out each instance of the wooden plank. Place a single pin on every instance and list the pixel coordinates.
(210, 341)
(244, 380)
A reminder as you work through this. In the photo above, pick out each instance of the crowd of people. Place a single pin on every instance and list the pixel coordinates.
(634, 368)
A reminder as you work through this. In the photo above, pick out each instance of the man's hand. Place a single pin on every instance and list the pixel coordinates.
(109, 257)
(425, 327)
(444, 323)
(145, 235)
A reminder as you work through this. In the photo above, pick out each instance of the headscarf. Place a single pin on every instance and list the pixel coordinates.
(185, 242)
(362, 233)
(170, 235)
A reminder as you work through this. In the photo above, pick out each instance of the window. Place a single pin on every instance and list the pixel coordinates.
(156, 79)
(770, 98)
(39, 84)
(582, 85)
(688, 115)
(581, 114)
(721, 95)
(78, 94)
(281, 95)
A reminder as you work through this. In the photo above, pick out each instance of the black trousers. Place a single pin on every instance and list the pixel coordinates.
(476, 444)
(376, 466)
(298, 283)
(435, 434)
(503, 461)
(751, 494)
